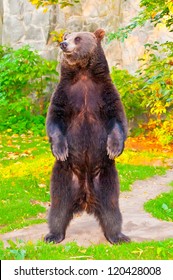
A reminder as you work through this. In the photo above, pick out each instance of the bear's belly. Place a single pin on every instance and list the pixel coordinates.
(86, 133)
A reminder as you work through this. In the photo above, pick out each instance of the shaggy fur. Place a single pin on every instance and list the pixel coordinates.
(87, 127)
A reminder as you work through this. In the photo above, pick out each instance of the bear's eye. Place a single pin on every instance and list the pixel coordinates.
(77, 39)
(65, 36)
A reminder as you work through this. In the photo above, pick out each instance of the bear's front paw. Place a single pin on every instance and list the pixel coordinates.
(115, 146)
(60, 148)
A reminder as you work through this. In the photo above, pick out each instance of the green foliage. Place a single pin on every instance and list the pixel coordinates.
(151, 250)
(150, 91)
(45, 3)
(162, 206)
(153, 82)
(57, 36)
(129, 87)
(25, 82)
(156, 73)
(128, 174)
(157, 12)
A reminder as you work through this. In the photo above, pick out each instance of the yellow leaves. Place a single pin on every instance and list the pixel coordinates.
(4, 201)
(34, 2)
(153, 14)
(45, 138)
(170, 5)
(139, 252)
(16, 155)
(138, 150)
(14, 136)
(42, 185)
(41, 216)
(158, 108)
(131, 157)
(145, 57)
(169, 81)
(28, 152)
(9, 142)
(36, 167)
(45, 10)
(11, 155)
(57, 36)
(34, 202)
(30, 243)
(44, 3)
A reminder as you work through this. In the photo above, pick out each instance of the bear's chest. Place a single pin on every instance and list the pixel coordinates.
(85, 95)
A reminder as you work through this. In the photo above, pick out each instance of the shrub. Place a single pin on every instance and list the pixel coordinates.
(26, 80)
(129, 88)
(150, 91)
(156, 75)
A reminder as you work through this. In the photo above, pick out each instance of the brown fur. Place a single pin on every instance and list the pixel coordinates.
(87, 128)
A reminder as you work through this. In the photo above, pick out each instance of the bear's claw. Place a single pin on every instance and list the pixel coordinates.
(118, 239)
(55, 238)
(114, 147)
(60, 149)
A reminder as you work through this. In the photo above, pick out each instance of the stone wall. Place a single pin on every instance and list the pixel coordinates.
(24, 25)
(21, 24)
(1, 14)
(133, 46)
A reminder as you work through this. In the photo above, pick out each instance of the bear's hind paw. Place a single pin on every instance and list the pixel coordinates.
(55, 238)
(118, 239)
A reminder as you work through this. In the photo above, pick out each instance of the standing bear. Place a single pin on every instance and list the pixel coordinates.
(87, 127)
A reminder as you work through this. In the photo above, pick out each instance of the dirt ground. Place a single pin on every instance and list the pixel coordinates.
(137, 224)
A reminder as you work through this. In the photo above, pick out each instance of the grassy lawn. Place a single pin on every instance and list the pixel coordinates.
(162, 206)
(26, 164)
(132, 251)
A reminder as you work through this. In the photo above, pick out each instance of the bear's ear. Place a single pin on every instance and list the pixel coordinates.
(99, 33)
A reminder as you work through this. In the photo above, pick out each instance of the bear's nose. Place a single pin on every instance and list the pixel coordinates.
(63, 45)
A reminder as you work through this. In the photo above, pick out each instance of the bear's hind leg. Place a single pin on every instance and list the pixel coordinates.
(61, 210)
(107, 211)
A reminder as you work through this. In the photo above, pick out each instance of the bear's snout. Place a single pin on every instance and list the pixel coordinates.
(63, 45)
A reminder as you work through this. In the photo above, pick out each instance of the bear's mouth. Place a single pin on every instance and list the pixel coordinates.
(68, 52)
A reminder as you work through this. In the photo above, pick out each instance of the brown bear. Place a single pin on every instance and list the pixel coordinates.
(87, 127)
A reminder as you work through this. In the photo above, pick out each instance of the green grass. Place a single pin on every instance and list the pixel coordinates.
(128, 174)
(25, 164)
(154, 250)
(162, 206)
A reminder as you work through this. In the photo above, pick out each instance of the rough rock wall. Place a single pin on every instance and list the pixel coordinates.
(21, 24)
(1, 13)
(24, 25)
(133, 46)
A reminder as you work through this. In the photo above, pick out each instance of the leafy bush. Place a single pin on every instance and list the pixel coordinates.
(26, 80)
(156, 73)
(129, 88)
(150, 91)
(153, 82)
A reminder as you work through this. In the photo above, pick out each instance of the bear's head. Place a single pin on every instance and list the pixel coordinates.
(79, 47)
